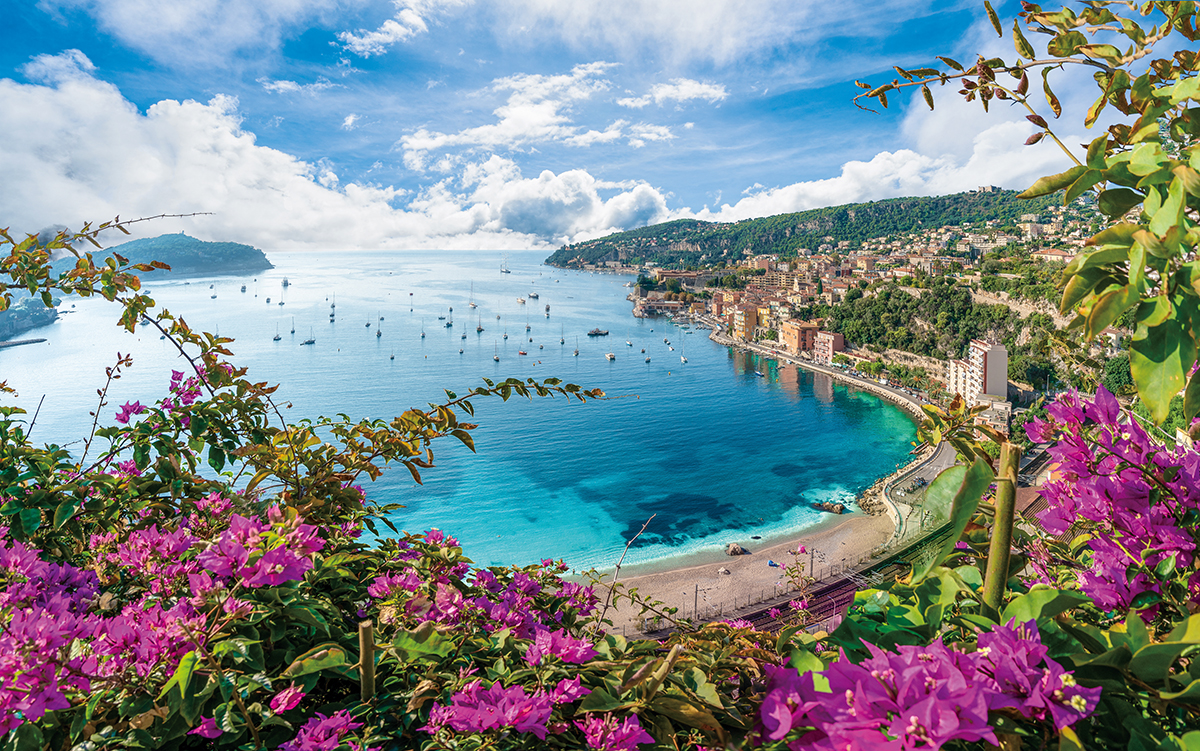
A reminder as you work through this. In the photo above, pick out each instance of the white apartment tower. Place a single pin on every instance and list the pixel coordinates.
(985, 371)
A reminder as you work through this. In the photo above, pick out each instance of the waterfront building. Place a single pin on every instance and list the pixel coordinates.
(826, 345)
(798, 336)
(745, 319)
(983, 374)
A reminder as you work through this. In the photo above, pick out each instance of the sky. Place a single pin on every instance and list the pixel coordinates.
(463, 124)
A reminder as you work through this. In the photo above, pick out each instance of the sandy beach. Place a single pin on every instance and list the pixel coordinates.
(751, 579)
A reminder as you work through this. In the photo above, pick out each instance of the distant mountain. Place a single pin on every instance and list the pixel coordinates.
(188, 256)
(686, 240)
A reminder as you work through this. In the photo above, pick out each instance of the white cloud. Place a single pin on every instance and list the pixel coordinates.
(350, 122)
(642, 132)
(411, 18)
(678, 90)
(196, 32)
(90, 154)
(291, 87)
(535, 112)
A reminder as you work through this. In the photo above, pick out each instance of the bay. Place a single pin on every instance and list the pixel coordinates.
(715, 452)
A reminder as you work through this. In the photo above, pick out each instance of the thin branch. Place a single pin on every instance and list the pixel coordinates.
(617, 573)
(35, 416)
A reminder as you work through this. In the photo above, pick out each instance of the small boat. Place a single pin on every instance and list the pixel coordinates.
(628, 343)
(464, 336)
(497, 316)
(665, 340)
(611, 356)
(671, 348)
(541, 346)
(520, 300)
(310, 340)
(643, 350)
(576, 347)
(561, 338)
(760, 374)
(504, 266)
(381, 318)
(471, 301)
(598, 332)
(214, 296)
(527, 327)
(281, 303)
(277, 337)
(211, 286)
(682, 359)
(368, 324)
(285, 282)
(496, 356)
(378, 333)
(243, 288)
(293, 324)
(505, 334)
(268, 300)
(460, 350)
(533, 295)
(393, 357)
(522, 352)
(479, 327)
(547, 309)
(647, 359)
(423, 328)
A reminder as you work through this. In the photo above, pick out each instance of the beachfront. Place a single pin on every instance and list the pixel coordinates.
(835, 551)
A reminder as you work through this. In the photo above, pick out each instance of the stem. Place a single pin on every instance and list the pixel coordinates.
(1002, 527)
(617, 573)
(366, 660)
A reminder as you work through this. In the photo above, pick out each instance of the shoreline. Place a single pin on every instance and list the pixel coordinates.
(710, 584)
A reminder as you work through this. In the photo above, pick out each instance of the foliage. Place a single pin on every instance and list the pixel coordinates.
(684, 241)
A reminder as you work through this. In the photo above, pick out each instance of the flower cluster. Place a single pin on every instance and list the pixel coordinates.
(1133, 494)
(476, 709)
(263, 554)
(607, 733)
(323, 733)
(924, 697)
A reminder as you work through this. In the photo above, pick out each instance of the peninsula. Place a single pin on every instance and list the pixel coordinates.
(188, 256)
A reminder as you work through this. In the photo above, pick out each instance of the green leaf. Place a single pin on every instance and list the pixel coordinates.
(969, 487)
(323, 657)
(1170, 214)
(1051, 183)
(1050, 97)
(602, 701)
(183, 674)
(1080, 285)
(697, 682)
(1187, 632)
(1109, 307)
(1116, 202)
(688, 713)
(1086, 180)
(1152, 662)
(1159, 359)
(991, 14)
(806, 662)
(1065, 44)
(424, 640)
(1191, 691)
(1024, 48)
(1095, 152)
(1041, 603)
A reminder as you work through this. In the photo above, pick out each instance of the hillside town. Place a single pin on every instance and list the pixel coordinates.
(770, 299)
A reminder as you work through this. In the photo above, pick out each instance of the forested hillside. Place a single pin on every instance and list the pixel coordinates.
(187, 255)
(686, 240)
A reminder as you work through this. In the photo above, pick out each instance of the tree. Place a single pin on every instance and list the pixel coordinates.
(1117, 377)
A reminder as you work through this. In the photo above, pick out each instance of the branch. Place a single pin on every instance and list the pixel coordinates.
(617, 573)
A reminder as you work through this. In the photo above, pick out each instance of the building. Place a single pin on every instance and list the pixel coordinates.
(826, 345)
(983, 373)
(798, 336)
(745, 319)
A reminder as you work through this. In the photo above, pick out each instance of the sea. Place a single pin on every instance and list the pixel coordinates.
(727, 447)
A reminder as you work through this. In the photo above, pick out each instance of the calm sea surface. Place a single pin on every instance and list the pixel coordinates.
(716, 451)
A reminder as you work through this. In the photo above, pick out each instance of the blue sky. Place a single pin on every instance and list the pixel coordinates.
(468, 124)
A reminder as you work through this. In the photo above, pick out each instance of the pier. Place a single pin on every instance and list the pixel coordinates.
(19, 342)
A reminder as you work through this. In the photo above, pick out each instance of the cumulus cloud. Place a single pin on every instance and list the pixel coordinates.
(678, 90)
(411, 18)
(536, 112)
(350, 123)
(291, 87)
(196, 32)
(90, 154)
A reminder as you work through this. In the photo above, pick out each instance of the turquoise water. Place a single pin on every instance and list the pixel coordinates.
(716, 452)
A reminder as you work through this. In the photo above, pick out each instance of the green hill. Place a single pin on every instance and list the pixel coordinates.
(686, 240)
(188, 256)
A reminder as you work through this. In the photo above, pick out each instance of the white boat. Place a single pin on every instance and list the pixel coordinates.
(611, 356)
(496, 356)
(471, 301)
(277, 337)
(647, 359)
(562, 339)
(520, 300)
(576, 347)
(533, 295)
(310, 340)
(285, 282)
(504, 266)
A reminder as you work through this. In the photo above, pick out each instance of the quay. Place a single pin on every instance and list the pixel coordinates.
(19, 342)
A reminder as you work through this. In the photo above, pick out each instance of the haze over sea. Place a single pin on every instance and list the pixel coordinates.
(717, 452)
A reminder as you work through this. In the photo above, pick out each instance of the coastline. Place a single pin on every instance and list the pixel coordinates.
(712, 585)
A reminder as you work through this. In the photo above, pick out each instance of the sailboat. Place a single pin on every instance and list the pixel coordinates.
(561, 338)
(471, 302)
(628, 343)
(683, 354)
(506, 334)
(393, 357)
(310, 340)
(576, 347)
(496, 356)
(611, 356)
(378, 333)
(504, 265)
(277, 337)
(526, 320)
(293, 324)
(423, 328)
(547, 311)
(479, 326)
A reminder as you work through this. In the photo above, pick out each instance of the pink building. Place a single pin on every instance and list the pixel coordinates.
(826, 345)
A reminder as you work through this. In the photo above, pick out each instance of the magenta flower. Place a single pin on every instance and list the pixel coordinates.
(558, 644)
(607, 733)
(568, 691)
(286, 699)
(475, 709)
(207, 728)
(323, 733)
(129, 410)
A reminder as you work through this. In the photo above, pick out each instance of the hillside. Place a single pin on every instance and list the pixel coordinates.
(188, 256)
(686, 240)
